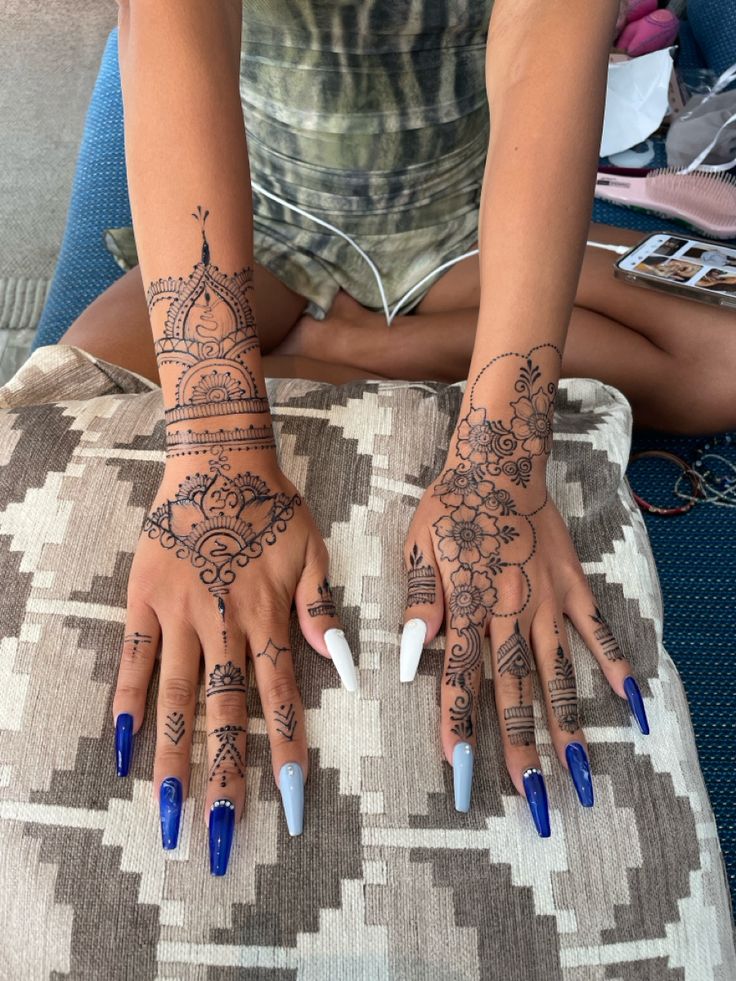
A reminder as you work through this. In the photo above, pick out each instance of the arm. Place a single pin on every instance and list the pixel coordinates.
(228, 543)
(505, 561)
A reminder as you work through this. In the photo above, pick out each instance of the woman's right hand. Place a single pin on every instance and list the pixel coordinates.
(223, 554)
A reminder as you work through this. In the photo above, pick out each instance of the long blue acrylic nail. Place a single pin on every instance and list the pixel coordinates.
(636, 704)
(536, 798)
(577, 762)
(222, 826)
(462, 773)
(123, 743)
(291, 785)
(170, 801)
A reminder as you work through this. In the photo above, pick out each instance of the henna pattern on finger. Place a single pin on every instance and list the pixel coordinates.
(563, 693)
(272, 652)
(515, 659)
(604, 635)
(228, 757)
(225, 677)
(325, 605)
(285, 719)
(136, 646)
(174, 729)
(421, 580)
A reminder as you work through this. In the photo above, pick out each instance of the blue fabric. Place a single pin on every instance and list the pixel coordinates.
(694, 554)
(99, 200)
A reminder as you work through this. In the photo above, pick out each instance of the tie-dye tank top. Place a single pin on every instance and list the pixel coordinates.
(371, 113)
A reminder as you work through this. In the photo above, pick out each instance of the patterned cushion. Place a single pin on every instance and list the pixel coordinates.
(388, 881)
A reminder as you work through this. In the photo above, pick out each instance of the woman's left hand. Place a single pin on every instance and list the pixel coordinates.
(488, 552)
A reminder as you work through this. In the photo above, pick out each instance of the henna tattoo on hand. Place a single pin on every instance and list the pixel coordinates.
(475, 539)
(325, 605)
(422, 580)
(286, 721)
(174, 728)
(563, 693)
(272, 652)
(225, 677)
(604, 635)
(136, 645)
(228, 759)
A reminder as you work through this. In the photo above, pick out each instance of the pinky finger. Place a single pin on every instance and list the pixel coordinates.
(585, 615)
(142, 636)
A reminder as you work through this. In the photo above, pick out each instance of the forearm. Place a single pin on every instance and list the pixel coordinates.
(546, 82)
(190, 193)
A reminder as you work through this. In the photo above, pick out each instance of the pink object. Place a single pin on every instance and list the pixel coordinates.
(651, 33)
(702, 200)
(638, 9)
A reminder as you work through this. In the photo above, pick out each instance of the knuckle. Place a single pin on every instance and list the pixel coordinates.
(177, 692)
(129, 692)
(282, 690)
(228, 705)
(170, 759)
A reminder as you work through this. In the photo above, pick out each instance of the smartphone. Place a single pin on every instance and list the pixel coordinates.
(697, 270)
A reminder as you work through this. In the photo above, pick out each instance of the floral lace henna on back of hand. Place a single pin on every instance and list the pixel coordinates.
(487, 535)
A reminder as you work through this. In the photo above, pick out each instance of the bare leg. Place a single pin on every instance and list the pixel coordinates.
(673, 359)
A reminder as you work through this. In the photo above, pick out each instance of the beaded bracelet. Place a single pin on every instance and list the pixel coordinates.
(687, 471)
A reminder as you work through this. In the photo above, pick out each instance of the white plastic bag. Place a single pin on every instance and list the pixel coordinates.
(704, 134)
(637, 99)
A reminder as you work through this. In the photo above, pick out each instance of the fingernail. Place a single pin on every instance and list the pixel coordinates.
(222, 826)
(636, 703)
(577, 761)
(169, 804)
(339, 650)
(123, 743)
(412, 645)
(291, 785)
(462, 774)
(536, 798)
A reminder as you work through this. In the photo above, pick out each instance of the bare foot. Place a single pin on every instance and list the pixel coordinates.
(324, 340)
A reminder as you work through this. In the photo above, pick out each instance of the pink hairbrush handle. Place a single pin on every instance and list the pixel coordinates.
(651, 33)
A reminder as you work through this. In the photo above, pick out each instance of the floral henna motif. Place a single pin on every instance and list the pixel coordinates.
(221, 522)
(473, 537)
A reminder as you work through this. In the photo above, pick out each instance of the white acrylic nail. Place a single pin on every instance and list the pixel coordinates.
(412, 645)
(339, 650)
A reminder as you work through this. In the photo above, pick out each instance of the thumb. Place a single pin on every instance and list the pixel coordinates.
(318, 619)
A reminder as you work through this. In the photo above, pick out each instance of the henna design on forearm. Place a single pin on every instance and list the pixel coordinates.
(174, 728)
(272, 652)
(225, 677)
(604, 635)
(325, 605)
(421, 580)
(228, 758)
(563, 693)
(483, 524)
(285, 719)
(219, 520)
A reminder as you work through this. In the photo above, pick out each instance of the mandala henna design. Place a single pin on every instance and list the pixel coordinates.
(421, 588)
(272, 652)
(476, 541)
(286, 721)
(563, 693)
(325, 605)
(228, 757)
(221, 522)
(604, 635)
(174, 728)
(225, 677)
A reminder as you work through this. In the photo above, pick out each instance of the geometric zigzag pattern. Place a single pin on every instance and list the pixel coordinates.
(388, 880)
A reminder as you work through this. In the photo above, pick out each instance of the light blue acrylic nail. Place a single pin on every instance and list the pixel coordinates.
(291, 785)
(462, 771)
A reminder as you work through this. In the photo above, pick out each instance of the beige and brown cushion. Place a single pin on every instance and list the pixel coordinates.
(388, 880)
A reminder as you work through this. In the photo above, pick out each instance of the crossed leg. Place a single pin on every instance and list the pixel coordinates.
(675, 360)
